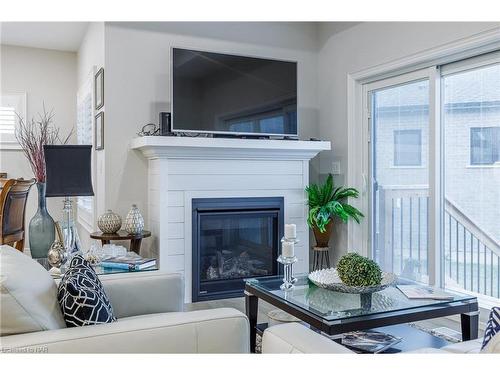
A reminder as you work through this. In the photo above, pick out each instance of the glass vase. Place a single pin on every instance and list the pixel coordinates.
(42, 227)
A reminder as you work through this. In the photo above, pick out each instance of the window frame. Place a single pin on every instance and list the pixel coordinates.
(435, 169)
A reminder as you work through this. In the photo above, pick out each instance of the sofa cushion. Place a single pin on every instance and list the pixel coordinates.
(464, 347)
(82, 297)
(492, 331)
(28, 296)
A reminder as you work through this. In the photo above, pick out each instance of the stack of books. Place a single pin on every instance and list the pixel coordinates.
(131, 263)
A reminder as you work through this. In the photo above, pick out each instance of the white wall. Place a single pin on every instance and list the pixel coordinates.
(91, 51)
(90, 58)
(46, 76)
(137, 81)
(361, 47)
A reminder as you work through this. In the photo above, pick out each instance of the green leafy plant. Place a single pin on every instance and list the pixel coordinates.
(357, 270)
(327, 201)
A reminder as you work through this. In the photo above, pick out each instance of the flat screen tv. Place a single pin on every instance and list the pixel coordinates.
(236, 95)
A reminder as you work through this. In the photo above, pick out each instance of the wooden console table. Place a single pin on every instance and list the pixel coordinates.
(121, 235)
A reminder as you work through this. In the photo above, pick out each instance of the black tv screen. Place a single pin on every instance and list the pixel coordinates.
(228, 94)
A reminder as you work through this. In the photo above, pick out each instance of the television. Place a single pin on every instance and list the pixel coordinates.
(233, 95)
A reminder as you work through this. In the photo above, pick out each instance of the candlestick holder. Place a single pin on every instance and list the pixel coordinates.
(288, 279)
(294, 240)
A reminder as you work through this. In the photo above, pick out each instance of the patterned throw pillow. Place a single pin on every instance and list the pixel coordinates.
(81, 296)
(492, 327)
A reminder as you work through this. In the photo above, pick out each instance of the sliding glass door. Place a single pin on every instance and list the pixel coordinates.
(470, 111)
(399, 124)
(435, 174)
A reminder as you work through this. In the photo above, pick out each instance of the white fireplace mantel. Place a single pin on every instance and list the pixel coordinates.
(181, 169)
(227, 148)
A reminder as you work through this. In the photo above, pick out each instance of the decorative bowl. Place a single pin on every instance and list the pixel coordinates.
(329, 279)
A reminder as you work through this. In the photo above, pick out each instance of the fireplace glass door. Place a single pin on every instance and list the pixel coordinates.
(232, 245)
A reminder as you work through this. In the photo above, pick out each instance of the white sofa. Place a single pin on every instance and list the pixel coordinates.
(148, 306)
(296, 338)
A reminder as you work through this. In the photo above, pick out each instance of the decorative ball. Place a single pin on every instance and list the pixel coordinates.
(134, 222)
(56, 256)
(356, 270)
(109, 222)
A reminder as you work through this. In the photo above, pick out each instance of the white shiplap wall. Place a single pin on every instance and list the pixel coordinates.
(174, 182)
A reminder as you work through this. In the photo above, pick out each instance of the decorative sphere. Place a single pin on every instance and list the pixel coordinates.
(56, 255)
(356, 270)
(109, 222)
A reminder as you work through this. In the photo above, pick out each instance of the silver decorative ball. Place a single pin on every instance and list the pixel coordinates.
(56, 256)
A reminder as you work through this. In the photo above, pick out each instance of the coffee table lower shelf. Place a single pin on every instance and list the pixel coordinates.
(413, 338)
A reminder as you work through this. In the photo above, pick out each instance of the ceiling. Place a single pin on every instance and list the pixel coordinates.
(67, 36)
(62, 36)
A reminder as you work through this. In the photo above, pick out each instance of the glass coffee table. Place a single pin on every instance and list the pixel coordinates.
(334, 313)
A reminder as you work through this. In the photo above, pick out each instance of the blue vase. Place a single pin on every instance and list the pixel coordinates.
(42, 227)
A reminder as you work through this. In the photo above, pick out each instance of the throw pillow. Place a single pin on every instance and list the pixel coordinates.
(81, 296)
(492, 327)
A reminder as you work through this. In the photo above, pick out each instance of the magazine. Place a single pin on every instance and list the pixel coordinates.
(369, 341)
(132, 263)
(423, 292)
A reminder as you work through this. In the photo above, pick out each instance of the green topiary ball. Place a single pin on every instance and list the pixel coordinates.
(356, 270)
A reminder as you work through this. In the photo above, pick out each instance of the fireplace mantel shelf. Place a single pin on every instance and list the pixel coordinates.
(156, 147)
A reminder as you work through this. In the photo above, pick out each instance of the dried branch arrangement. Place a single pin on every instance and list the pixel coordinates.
(33, 135)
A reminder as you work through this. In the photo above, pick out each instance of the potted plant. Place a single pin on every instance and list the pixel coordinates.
(325, 202)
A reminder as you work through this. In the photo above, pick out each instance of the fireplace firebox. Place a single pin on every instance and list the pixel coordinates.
(234, 239)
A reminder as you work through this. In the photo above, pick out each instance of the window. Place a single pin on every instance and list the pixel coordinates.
(407, 148)
(84, 135)
(12, 105)
(484, 145)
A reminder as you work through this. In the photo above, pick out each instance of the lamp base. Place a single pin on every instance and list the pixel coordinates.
(71, 239)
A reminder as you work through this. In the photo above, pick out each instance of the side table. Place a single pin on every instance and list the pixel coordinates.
(121, 235)
(321, 259)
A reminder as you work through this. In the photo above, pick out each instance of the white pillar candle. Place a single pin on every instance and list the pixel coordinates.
(290, 231)
(287, 249)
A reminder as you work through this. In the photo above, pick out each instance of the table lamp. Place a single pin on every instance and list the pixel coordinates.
(68, 174)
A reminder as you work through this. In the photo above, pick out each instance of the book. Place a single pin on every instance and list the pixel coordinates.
(128, 263)
(369, 341)
(423, 292)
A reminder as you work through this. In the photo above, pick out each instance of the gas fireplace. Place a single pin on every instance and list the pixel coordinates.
(234, 239)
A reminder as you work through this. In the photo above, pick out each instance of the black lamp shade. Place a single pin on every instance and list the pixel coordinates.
(68, 170)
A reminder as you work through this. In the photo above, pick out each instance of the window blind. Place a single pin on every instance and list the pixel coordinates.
(11, 105)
